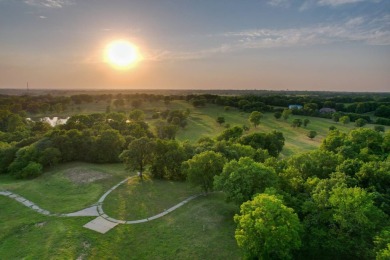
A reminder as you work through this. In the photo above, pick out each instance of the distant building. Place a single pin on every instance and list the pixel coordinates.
(327, 110)
(295, 107)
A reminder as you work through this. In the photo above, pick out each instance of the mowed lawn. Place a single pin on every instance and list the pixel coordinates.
(201, 229)
(139, 199)
(67, 187)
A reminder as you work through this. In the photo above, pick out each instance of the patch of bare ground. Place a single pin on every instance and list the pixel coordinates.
(83, 175)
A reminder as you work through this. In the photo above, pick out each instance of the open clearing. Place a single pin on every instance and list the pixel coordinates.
(201, 229)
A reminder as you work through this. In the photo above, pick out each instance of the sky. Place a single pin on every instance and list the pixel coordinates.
(326, 45)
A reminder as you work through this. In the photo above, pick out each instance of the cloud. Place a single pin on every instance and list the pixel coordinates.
(42, 17)
(160, 55)
(279, 3)
(356, 29)
(332, 3)
(48, 3)
(372, 32)
(338, 2)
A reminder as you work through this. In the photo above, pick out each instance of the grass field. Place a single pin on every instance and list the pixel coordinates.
(149, 197)
(68, 187)
(202, 122)
(203, 228)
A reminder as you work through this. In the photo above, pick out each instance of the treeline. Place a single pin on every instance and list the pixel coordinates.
(354, 106)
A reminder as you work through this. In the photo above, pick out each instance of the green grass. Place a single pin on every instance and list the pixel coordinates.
(149, 197)
(55, 192)
(202, 122)
(201, 229)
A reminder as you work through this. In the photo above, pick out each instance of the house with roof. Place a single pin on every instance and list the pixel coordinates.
(327, 110)
(295, 107)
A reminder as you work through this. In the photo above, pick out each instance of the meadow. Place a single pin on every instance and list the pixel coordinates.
(201, 229)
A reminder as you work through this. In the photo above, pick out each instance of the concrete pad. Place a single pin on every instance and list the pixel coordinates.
(100, 225)
(91, 211)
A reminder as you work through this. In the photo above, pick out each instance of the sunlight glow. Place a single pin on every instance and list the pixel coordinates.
(122, 54)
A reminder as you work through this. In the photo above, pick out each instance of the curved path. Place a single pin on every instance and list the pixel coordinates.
(103, 222)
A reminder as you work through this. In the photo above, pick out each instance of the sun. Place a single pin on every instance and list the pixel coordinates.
(122, 54)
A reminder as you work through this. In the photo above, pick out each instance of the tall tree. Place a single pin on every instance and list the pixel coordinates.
(286, 114)
(242, 179)
(267, 229)
(202, 168)
(138, 154)
(220, 120)
(255, 118)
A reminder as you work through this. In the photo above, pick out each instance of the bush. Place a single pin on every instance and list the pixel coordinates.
(360, 122)
(32, 170)
(311, 134)
(379, 128)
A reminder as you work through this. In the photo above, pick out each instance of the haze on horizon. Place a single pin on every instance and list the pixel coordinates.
(328, 45)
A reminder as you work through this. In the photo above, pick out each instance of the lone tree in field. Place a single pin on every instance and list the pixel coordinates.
(286, 114)
(311, 134)
(296, 122)
(138, 154)
(267, 229)
(360, 122)
(255, 117)
(278, 114)
(220, 120)
(306, 121)
(202, 168)
(344, 119)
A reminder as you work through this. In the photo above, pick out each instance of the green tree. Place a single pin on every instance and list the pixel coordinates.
(242, 179)
(50, 156)
(286, 114)
(202, 168)
(344, 120)
(379, 128)
(306, 121)
(138, 154)
(33, 169)
(231, 134)
(168, 156)
(166, 130)
(382, 244)
(267, 229)
(311, 134)
(233, 151)
(137, 103)
(255, 118)
(107, 146)
(333, 141)
(341, 222)
(336, 116)
(220, 120)
(360, 122)
(278, 114)
(317, 163)
(296, 122)
(137, 115)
